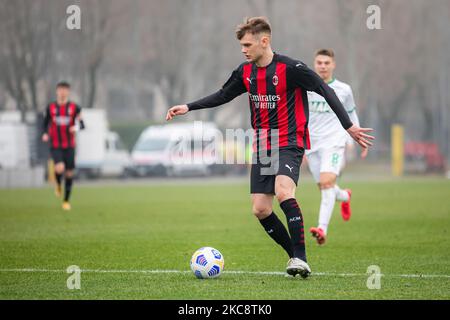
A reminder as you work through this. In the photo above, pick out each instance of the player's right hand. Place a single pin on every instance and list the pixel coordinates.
(45, 137)
(176, 111)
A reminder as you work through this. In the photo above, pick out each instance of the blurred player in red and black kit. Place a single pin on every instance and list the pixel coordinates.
(59, 129)
(277, 88)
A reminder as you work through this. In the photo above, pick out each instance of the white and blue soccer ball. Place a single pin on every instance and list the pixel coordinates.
(207, 263)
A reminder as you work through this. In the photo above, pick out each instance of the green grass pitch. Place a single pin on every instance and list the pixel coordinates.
(116, 233)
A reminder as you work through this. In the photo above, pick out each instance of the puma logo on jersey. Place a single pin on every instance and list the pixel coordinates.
(290, 169)
(249, 80)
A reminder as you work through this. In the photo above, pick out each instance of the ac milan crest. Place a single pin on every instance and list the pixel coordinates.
(275, 80)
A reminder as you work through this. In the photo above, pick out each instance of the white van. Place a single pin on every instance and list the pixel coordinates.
(178, 150)
(100, 152)
(14, 146)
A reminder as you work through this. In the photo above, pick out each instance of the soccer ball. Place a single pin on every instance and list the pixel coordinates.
(207, 262)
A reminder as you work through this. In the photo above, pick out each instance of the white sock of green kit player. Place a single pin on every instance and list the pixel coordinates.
(326, 207)
(341, 195)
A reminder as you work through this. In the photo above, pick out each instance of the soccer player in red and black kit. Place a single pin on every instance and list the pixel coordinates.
(59, 127)
(277, 87)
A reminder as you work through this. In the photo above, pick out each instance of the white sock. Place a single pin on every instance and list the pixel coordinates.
(326, 207)
(341, 195)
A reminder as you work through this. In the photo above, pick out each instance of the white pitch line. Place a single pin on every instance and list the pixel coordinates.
(272, 273)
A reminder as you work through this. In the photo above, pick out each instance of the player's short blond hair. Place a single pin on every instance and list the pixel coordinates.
(325, 52)
(254, 25)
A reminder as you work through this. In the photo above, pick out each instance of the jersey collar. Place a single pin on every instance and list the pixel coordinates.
(274, 59)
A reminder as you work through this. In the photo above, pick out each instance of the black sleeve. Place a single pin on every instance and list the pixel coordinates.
(46, 120)
(80, 120)
(231, 89)
(307, 79)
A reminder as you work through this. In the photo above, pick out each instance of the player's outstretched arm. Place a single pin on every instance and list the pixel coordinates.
(214, 100)
(230, 90)
(309, 80)
(349, 103)
(356, 132)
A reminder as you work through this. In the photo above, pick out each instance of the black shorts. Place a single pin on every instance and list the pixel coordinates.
(265, 169)
(64, 155)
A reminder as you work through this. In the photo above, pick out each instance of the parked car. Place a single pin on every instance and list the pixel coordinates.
(177, 150)
(424, 157)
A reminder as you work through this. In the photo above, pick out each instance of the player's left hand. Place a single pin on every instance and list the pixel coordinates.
(72, 129)
(359, 135)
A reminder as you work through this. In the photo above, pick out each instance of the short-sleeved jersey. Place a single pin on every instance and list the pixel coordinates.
(278, 100)
(57, 122)
(326, 131)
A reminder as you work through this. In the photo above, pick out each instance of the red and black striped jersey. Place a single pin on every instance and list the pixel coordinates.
(57, 122)
(278, 100)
